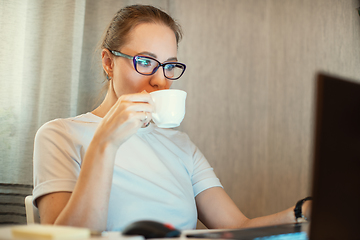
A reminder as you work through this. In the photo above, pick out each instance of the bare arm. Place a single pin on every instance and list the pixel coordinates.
(217, 210)
(87, 205)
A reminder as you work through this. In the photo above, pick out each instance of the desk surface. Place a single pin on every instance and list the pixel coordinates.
(5, 234)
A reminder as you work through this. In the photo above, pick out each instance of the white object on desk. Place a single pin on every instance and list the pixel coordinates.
(32, 213)
(50, 232)
(6, 234)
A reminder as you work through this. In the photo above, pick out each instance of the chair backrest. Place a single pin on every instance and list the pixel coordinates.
(32, 213)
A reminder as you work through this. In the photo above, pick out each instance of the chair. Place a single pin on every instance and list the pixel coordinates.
(32, 213)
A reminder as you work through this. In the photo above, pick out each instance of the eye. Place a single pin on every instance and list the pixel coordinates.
(169, 67)
(143, 62)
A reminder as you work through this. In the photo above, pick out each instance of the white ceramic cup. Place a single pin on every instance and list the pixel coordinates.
(169, 107)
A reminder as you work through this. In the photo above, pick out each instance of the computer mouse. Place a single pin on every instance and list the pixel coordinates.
(151, 229)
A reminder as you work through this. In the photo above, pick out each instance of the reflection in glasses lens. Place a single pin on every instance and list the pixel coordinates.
(173, 70)
(148, 66)
(145, 65)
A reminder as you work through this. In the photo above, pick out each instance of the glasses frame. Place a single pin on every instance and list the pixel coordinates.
(134, 59)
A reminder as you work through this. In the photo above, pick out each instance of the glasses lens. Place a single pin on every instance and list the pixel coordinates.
(173, 70)
(145, 65)
(148, 66)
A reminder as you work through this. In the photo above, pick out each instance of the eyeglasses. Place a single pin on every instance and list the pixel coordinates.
(148, 66)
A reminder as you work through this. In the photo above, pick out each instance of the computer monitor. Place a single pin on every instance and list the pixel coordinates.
(336, 172)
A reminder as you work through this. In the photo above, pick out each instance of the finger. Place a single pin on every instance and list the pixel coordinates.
(145, 118)
(139, 116)
(129, 112)
(142, 118)
(138, 107)
(146, 121)
(137, 97)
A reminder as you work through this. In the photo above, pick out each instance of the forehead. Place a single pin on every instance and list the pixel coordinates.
(152, 37)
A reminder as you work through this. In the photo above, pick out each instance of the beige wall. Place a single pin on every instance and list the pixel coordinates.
(250, 84)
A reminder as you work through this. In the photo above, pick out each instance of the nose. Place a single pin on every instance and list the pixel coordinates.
(158, 80)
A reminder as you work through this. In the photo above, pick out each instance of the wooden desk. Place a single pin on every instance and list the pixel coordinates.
(5, 234)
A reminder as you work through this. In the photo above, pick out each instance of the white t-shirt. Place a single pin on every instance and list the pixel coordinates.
(158, 172)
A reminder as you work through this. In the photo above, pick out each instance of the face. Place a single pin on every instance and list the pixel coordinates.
(149, 39)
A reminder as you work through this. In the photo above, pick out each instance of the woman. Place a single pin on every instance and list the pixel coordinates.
(105, 169)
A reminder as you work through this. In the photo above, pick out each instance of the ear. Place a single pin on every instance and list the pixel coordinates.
(107, 62)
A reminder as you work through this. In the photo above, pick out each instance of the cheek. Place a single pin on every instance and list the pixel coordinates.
(131, 82)
(123, 74)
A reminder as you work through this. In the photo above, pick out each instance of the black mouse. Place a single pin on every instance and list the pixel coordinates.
(151, 229)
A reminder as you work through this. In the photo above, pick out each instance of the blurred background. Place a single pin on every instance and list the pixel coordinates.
(250, 78)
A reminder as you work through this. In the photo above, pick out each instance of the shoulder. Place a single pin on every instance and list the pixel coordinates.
(51, 127)
(64, 126)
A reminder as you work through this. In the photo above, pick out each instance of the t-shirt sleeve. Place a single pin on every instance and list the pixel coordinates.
(56, 161)
(203, 176)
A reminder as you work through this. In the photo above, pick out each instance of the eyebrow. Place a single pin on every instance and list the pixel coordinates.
(154, 56)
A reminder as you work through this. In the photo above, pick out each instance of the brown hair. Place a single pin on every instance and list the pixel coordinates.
(129, 17)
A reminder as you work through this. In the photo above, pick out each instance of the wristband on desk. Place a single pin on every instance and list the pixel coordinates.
(298, 209)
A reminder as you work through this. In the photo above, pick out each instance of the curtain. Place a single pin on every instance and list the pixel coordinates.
(49, 68)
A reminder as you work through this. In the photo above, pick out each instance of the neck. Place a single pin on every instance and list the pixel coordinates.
(107, 103)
